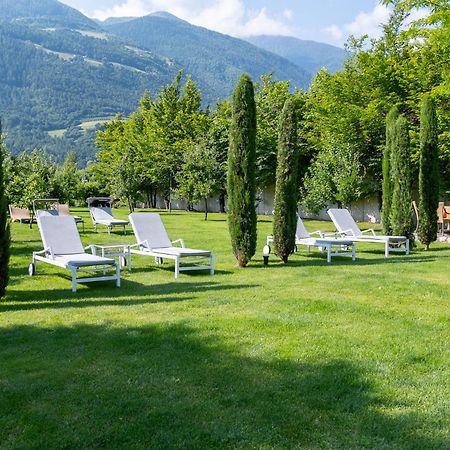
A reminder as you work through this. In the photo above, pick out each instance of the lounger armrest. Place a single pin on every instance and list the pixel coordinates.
(320, 233)
(42, 252)
(141, 244)
(348, 232)
(331, 234)
(370, 230)
(179, 241)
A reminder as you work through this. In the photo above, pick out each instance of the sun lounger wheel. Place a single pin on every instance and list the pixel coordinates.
(158, 260)
(123, 261)
(32, 269)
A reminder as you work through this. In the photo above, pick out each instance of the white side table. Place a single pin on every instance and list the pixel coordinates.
(122, 251)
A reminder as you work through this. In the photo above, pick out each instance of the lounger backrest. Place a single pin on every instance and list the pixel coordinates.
(301, 232)
(440, 211)
(46, 212)
(149, 228)
(343, 221)
(104, 213)
(60, 234)
(17, 213)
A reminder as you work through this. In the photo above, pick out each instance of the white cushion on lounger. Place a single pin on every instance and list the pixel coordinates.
(83, 259)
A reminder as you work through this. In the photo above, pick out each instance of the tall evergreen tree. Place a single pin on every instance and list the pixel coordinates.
(428, 172)
(387, 179)
(241, 172)
(286, 188)
(401, 208)
(4, 227)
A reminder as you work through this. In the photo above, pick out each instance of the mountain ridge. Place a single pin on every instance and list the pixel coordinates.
(309, 54)
(215, 60)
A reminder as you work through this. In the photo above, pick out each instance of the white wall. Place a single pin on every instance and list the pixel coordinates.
(366, 210)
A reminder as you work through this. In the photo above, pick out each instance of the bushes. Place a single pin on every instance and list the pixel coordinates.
(241, 173)
(286, 189)
(386, 167)
(428, 173)
(4, 228)
(401, 211)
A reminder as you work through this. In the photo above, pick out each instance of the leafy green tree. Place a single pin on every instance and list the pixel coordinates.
(391, 119)
(31, 176)
(117, 158)
(198, 178)
(241, 172)
(336, 175)
(286, 189)
(218, 141)
(4, 227)
(428, 172)
(270, 98)
(68, 179)
(401, 208)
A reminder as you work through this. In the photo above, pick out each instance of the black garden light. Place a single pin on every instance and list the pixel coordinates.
(266, 253)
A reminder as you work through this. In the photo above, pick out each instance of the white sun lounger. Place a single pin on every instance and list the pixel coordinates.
(63, 248)
(20, 214)
(348, 228)
(103, 216)
(303, 237)
(152, 240)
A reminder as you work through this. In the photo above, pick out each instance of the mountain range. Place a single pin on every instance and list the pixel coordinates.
(61, 73)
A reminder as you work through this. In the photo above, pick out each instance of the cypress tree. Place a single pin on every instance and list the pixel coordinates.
(241, 172)
(387, 180)
(286, 188)
(428, 172)
(401, 209)
(4, 227)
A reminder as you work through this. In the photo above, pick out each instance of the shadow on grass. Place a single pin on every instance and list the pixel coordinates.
(319, 259)
(130, 293)
(169, 386)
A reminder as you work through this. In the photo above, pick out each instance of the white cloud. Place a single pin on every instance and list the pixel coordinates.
(288, 14)
(335, 32)
(129, 8)
(227, 16)
(369, 23)
(364, 23)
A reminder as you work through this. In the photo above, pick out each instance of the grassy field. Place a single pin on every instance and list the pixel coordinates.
(305, 355)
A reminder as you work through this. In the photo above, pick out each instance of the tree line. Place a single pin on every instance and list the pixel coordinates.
(174, 146)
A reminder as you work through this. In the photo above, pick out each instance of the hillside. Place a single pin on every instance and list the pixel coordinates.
(215, 60)
(309, 55)
(55, 78)
(44, 13)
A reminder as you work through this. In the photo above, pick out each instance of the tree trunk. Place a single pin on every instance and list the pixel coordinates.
(222, 202)
(206, 208)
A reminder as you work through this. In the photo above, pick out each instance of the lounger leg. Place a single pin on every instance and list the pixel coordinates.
(353, 251)
(74, 279)
(212, 265)
(386, 249)
(329, 253)
(118, 274)
(177, 267)
(407, 246)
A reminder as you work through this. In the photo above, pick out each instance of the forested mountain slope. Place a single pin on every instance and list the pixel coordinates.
(309, 55)
(54, 78)
(215, 60)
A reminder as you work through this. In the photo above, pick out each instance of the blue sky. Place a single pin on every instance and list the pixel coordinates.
(329, 21)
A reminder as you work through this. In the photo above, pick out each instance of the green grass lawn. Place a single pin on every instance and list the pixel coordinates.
(305, 355)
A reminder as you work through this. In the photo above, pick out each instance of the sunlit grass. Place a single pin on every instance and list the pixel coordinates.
(303, 355)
